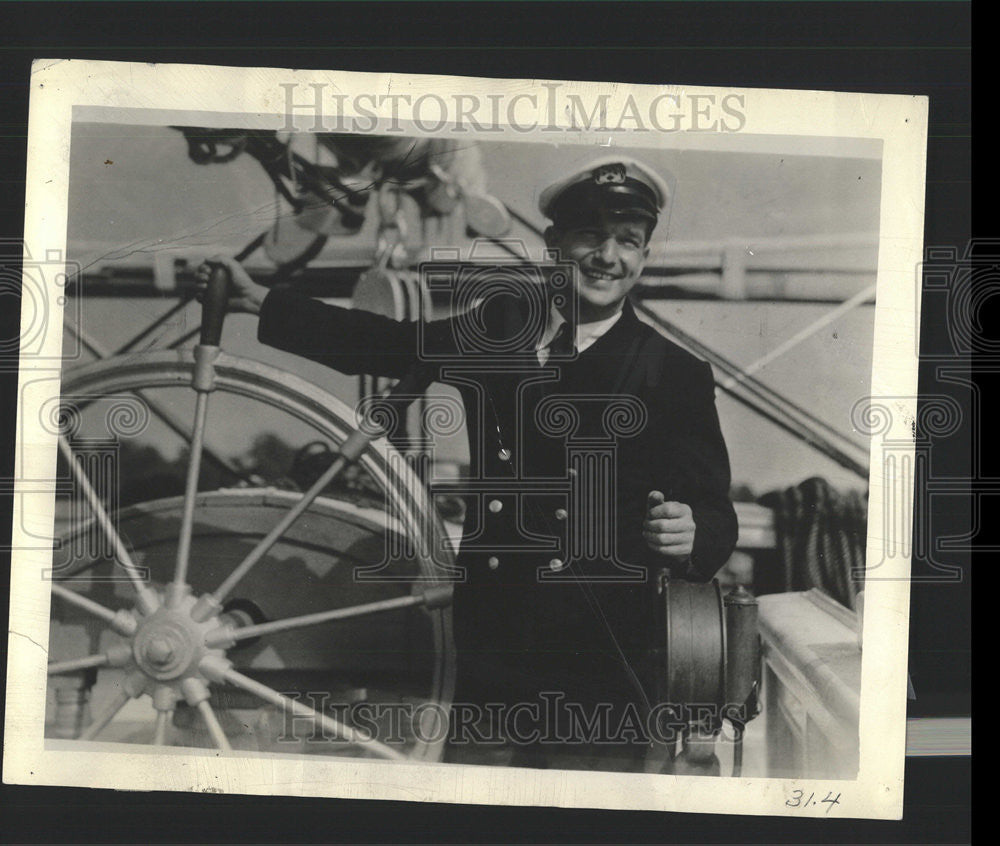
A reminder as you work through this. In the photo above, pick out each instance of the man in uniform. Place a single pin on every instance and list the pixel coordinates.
(610, 437)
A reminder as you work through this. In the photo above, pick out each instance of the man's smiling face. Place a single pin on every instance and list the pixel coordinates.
(610, 252)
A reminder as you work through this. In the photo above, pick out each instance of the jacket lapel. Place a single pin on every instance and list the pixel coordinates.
(603, 366)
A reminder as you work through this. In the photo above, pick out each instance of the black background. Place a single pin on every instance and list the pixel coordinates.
(892, 47)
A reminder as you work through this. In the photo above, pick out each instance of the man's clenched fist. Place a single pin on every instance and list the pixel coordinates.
(668, 527)
(245, 295)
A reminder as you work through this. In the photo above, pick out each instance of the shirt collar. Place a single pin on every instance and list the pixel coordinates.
(586, 333)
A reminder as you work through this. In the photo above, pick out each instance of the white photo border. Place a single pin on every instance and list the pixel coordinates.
(225, 96)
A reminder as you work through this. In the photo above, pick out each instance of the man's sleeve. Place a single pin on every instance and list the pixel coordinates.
(354, 341)
(703, 478)
(349, 340)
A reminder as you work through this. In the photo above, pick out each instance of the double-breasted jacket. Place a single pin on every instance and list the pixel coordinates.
(557, 581)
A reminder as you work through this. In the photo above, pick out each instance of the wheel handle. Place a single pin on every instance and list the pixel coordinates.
(213, 305)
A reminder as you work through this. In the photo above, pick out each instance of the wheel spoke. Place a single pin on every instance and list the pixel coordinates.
(214, 728)
(72, 666)
(328, 723)
(146, 598)
(121, 621)
(191, 489)
(162, 724)
(244, 632)
(83, 602)
(106, 716)
(283, 525)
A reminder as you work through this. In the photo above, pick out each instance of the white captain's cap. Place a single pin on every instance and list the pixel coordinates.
(615, 184)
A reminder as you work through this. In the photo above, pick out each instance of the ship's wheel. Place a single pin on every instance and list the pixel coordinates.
(255, 618)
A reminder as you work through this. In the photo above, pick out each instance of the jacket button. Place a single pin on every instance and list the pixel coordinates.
(493, 562)
(504, 455)
(496, 506)
(561, 514)
(556, 564)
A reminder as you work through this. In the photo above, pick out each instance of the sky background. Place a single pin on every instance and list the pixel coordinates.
(133, 191)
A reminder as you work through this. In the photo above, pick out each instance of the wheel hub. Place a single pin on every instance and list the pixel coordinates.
(169, 644)
(164, 648)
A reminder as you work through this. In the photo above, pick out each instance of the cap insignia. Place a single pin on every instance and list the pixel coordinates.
(610, 174)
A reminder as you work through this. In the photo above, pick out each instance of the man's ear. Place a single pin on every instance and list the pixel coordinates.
(551, 236)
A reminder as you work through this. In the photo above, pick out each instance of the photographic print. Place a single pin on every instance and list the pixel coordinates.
(466, 440)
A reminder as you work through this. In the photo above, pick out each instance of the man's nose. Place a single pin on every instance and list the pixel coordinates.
(607, 251)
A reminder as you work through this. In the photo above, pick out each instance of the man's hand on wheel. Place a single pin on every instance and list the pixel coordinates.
(245, 295)
(669, 527)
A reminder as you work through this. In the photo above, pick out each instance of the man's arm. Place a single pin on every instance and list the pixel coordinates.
(693, 527)
(704, 471)
(351, 341)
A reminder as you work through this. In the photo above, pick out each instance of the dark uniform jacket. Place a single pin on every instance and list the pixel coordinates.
(559, 583)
